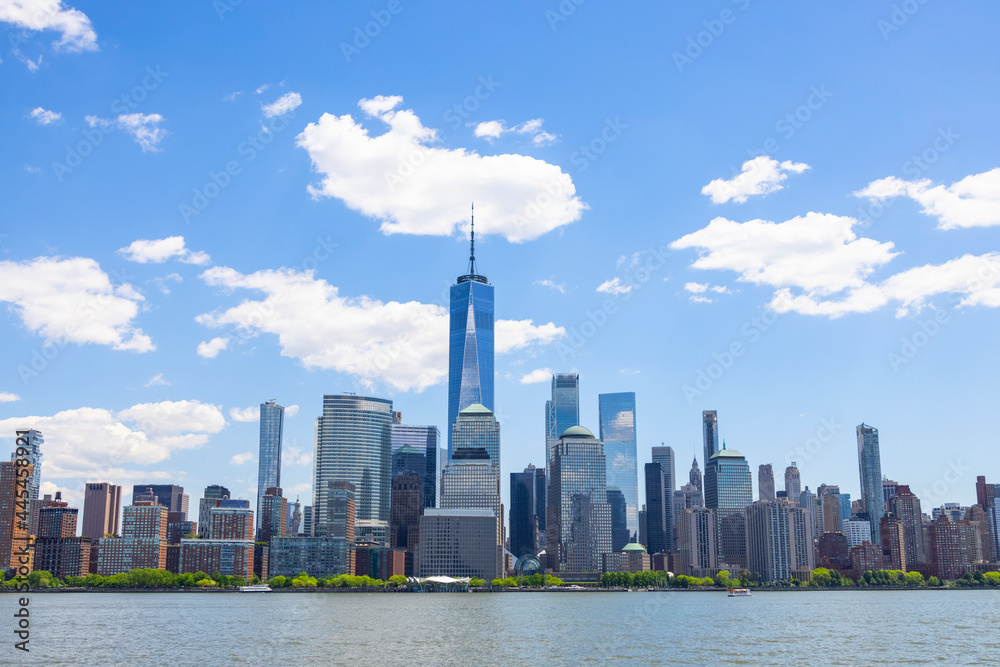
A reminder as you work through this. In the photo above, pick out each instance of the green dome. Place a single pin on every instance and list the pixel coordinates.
(476, 409)
(577, 432)
(633, 547)
(727, 454)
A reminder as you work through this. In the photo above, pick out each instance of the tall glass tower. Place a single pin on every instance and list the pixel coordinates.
(272, 419)
(710, 434)
(617, 432)
(470, 341)
(476, 427)
(562, 411)
(870, 468)
(354, 444)
(31, 440)
(426, 439)
(664, 456)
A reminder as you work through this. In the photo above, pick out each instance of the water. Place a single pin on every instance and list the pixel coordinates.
(808, 627)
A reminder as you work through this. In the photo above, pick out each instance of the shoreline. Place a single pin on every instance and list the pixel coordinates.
(217, 591)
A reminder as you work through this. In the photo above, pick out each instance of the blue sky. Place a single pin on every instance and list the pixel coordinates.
(787, 214)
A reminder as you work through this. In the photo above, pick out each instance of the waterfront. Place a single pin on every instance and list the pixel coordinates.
(810, 627)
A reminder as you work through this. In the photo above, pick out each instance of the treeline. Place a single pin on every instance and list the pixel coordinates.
(534, 581)
(137, 578)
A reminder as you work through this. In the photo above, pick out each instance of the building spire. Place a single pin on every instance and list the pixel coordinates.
(472, 243)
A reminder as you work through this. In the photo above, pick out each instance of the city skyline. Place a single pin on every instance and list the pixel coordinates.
(660, 266)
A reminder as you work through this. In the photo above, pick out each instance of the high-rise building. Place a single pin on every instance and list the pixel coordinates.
(460, 543)
(578, 526)
(807, 501)
(14, 536)
(404, 519)
(694, 476)
(728, 490)
(888, 488)
(527, 504)
(953, 547)
(232, 520)
(212, 497)
(986, 494)
(833, 522)
(779, 541)
(471, 481)
(58, 520)
(870, 468)
(426, 439)
(617, 432)
(765, 482)
(793, 483)
(476, 427)
(102, 505)
(170, 496)
(143, 542)
(470, 342)
(329, 554)
(354, 444)
(665, 457)
(656, 512)
(620, 534)
(710, 434)
(893, 542)
(32, 441)
(857, 531)
(274, 508)
(905, 506)
(561, 411)
(57, 548)
(272, 419)
(697, 553)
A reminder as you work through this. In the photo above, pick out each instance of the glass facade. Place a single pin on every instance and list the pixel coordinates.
(562, 411)
(620, 534)
(617, 432)
(870, 469)
(470, 345)
(524, 510)
(272, 417)
(477, 428)
(728, 490)
(31, 440)
(353, 444)
(710, 433)
(665, 457)
(427, 440)
(470, 481)
(656, 501)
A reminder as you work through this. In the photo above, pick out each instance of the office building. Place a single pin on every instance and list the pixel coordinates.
(710, 434)
(665, 457)
(793, 483)
(460, 543)
(617, 432)
(888, 488)
(476, 427)
(143, 542)
(228, 557)
(905, 506)
(354, 444)
(319, 556)
(870, 468)
(212, 497)
(470, 342)
(857, 531)
(696, 542)
(274, 511)
(779, 541)
(272, 420)
(694, 476)
(471, 481)
(376, 560)
(527, 503)
(656, 511)
(807, 501)
(620, 534)
(728, 490)
(102, 506)
(404, 522)
(765, 482)
(425, 440)
(232, 520)
(170, 496)
(562, 411)
(31, 441)
(579, 518)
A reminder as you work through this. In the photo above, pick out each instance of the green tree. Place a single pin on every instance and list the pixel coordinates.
(934, 581)
(476, 583)
(397, 580)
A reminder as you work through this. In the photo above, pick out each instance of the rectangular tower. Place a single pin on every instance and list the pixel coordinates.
(617, 432)
(272, 418)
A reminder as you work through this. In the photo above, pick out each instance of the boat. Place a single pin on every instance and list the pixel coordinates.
(739, 592)
(256, 588)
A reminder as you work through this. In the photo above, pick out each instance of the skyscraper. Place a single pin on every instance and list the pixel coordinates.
(525, 507)
(476, 427)
(272, 418)
(32, 441)
(665, 457)
(765, 482)
(14, 539)
(470, 481)
(793, 483)
(353, 444)
(870, 468)
(905, 506)
(212, 497)
(561, 411)
(578, 526)
(656, 512)
(694, 476)
(617, 432)
(170, 496)
(470, 342)
(274, 512)
(620, 535)
(710, 434)
(102, 505)
(426, 439)
(728, 490)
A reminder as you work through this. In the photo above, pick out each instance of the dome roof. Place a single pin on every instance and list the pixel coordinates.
(577, 432)
(727, 454)
(633, 547)
(476, 409)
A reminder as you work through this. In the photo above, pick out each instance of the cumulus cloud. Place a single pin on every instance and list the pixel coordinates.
(250, 414)
(293, 456)
(698, 291)
(156, 381)
(291, 410)
(7, 397)
(144, 128)
(240, 459)
(157, 251)
(494, 129)
(759, 176)
(973, 201)
(44, 116)
(559, 287)
(73, 300)
(537, 375)
(74, 26)
(95, 443)
(614, 286)
(211, 349)
(975, 278)
(403, 345)
(284, 104)
(416, 187)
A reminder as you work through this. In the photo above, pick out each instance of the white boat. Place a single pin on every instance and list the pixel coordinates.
(256, 588)
(739, 592)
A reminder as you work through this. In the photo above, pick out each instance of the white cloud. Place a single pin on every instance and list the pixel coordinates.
(759, 176)
(697, 298)
(614, 286)
(559, 287)
(157, 251)
(494, 129)
(7, 397)
(77, 33)
(976, 278)
(536, 376)
(240, 459)
(231, 97)
(409, 184)
(401, 344)
(250, 414)
(629, 371)
(156, 380)
(696, 288)
(95, 442)
(293, 456)
(144, 128)
(73, 300)
(291, 410)
(973, 201)
(490, 129)
(211, 349)
(282, 105)
(262, 88)
(45, 117)
(698, 291)
(32, 65)
(32, 170)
